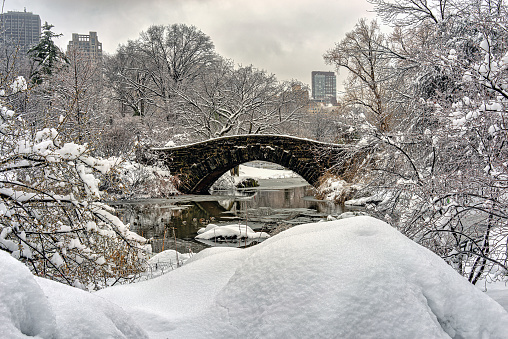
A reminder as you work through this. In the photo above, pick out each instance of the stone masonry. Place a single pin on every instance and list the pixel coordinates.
(199, 165)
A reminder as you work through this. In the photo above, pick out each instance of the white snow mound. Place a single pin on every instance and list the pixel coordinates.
(24, 309)
(230, 232)
(350, 278)
(81, 314)
(355, 277)
(40, 308)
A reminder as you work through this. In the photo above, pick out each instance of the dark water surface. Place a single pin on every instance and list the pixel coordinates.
(173, 223)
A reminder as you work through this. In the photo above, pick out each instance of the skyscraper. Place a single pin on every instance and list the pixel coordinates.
(89, 45)
(324, 87)
(22, 29)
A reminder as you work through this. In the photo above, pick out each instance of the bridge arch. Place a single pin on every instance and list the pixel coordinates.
(199, 165)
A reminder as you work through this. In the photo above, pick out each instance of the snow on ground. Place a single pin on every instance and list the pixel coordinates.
(41, 308)
(162, 304)
(355, 277)
(264, 173)
(24, 309)
(351, 278)
(497, 291)
(80, 314)
(163, 262)
(227, 181)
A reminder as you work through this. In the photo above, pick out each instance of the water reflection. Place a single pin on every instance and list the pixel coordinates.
(174, 222)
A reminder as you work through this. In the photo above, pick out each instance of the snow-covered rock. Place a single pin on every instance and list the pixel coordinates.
(336, 189)
(229, 232)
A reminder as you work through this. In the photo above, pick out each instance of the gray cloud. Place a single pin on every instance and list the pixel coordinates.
(284, 37)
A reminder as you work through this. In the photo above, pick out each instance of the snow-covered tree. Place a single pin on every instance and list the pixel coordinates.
(77, 90)
(442, 169)
(145, 72)
(46, 55)
(244, 100)
(371, 82)
(51, 214)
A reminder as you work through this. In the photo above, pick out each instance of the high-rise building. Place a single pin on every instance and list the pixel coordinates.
(22, 29)
(89, 45)
(324, 87)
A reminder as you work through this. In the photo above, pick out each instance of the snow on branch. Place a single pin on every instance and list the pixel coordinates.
(51, 217)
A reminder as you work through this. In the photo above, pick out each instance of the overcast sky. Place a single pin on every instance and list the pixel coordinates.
(284, 37)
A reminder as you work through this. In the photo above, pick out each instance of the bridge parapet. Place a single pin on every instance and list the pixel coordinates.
(200, 164)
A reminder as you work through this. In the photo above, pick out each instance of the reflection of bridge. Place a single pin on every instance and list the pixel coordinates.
(200, 164)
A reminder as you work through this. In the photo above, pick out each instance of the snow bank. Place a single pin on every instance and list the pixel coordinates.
(41, 308)
(349, 278)
(263, 173)
(356, 277)
(168, 256)
(80, 314)
(24, 309)
(497, 290)
(163, 304)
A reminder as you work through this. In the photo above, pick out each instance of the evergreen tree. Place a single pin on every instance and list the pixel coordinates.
(46, 56)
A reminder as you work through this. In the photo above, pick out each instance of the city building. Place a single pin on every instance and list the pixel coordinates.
(21, 29)
(89, 45)
(302, 94)
(324, 87)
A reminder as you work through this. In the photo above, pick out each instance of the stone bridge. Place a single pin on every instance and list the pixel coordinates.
(199, 165)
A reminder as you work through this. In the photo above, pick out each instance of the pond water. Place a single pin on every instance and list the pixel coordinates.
(275, 205)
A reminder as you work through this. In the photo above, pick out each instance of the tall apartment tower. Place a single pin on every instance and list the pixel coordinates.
(89, 45)
(324, 87)
(22, 29)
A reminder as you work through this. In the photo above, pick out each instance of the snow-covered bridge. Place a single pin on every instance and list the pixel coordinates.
(200, 164)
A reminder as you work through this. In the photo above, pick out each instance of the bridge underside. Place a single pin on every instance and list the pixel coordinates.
(202, 176)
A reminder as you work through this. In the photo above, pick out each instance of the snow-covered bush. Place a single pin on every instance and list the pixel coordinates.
(51, 214)
(146, 181)
(333, 188)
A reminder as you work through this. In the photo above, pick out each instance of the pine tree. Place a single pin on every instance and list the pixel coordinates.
(46, 56)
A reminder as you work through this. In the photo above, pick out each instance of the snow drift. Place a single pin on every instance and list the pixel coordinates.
(41, 308)
(355, 277)
(24, 309)
(350, 278)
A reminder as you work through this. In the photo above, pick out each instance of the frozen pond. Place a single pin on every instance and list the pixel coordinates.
(275, 205)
